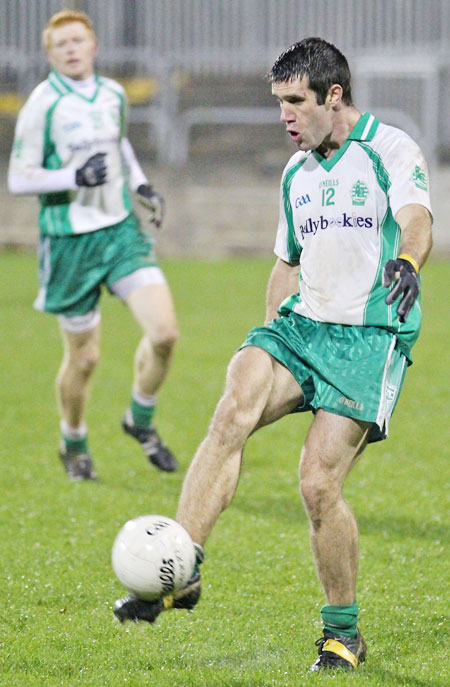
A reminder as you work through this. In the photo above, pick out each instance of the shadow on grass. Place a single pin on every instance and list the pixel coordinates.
(287, 509)
(403, 527)
(290, 509)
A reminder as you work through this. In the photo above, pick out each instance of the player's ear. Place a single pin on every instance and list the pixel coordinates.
(334, 95)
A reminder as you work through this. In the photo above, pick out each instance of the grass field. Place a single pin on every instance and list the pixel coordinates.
(259, 615)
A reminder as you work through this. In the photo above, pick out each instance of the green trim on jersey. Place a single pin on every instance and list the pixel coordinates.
(390, 245)
(60, 86)
(329, 164)
(390, 242)
(57, 82)
(51, 159)
(54, 206)
(378, 167)
(365, 128)
(126, 198)
(390, 239)
(293, 246)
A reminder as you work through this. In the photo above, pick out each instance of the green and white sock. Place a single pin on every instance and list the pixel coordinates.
(340, 619)
(74, 438)
(142, 409)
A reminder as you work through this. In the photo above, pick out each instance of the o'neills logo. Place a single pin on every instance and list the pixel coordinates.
(312, 226)
(356, 405)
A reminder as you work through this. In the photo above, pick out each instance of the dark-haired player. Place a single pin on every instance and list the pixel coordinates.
(343, 312)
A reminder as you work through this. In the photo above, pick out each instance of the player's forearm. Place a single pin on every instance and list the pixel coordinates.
(415, 224)
(42, 180)
(282, 283)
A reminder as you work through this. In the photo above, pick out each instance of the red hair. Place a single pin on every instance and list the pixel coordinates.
(62, 18)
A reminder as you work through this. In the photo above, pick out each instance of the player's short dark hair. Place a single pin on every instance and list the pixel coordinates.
(320, 61)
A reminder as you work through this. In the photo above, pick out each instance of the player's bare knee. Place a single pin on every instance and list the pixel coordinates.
(164, 340)
(319, 488)
(85, 359)
(316, 498)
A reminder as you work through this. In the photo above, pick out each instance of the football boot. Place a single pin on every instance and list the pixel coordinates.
(133, 608)
(156, 451)
(78, 466)
(339, 651)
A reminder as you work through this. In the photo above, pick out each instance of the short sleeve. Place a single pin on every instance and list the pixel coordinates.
(408, 172)
(287, 246)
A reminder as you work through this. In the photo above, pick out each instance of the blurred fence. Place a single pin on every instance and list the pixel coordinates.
(399, 52)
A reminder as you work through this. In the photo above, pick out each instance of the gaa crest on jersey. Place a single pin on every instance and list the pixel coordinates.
(359, 193)
(419, 178)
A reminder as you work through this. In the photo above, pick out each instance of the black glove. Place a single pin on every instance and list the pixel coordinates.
(406, 284)
(154, 202)
(93, 172)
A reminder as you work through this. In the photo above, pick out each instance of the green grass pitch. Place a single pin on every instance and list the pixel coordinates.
(258, 617)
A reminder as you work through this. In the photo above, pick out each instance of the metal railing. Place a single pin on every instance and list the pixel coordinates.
(162, 38)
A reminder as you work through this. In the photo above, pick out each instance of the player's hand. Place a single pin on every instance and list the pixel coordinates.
(153, 201)
(93, 172)
(406, 285)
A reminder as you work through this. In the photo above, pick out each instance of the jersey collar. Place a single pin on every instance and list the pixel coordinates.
(365, 128)
(63, 87)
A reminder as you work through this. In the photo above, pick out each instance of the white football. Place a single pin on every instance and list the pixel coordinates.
(153, 556)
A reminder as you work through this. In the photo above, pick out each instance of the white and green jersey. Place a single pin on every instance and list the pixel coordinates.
(337, 222)
(60, 128)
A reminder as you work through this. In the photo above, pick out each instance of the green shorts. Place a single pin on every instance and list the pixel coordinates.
(73, 268)
(353, 371)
